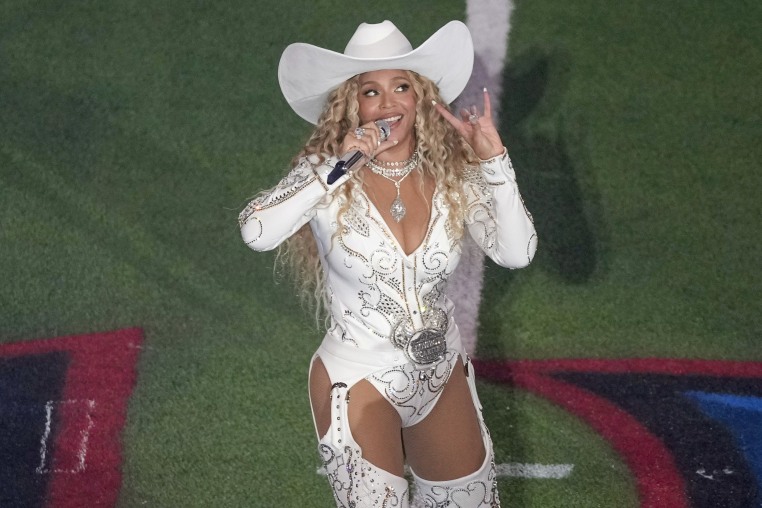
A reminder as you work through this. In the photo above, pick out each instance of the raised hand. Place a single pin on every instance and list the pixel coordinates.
(478, 130)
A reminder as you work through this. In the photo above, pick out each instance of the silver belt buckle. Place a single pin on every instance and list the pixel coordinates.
(427, 347)
(424, 347)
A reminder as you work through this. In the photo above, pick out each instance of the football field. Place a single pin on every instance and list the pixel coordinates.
(622, 368)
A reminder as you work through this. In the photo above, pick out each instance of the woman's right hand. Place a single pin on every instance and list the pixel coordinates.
(367, 139)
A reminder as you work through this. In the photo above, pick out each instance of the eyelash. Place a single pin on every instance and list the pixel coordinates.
(373, 92)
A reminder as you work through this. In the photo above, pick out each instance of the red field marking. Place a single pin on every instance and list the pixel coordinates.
(86, 470)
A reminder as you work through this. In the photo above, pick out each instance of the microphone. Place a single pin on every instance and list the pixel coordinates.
(353, 158)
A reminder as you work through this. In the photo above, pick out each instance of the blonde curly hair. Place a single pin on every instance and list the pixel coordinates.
(443, 154)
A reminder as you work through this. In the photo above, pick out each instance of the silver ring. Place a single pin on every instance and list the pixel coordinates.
(359, 132)
(473, 119)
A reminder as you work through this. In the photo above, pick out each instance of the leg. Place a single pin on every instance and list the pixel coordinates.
(376, 428)
(447, 444)
(450, 451)
(360, 443)
(320, 400)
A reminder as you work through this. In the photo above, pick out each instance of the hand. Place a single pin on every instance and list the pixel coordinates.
(368, 142)
(478, 131)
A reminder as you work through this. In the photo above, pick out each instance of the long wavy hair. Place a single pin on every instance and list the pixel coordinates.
(443, 153)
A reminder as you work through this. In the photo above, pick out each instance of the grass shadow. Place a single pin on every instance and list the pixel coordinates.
(549, 163)
(548, 153)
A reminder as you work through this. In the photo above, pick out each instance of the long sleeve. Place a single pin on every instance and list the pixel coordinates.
(272, 217)
(496, 216)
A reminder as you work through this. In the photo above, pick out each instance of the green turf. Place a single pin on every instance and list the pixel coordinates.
(133, 132)
(526, 429)
(640, 123)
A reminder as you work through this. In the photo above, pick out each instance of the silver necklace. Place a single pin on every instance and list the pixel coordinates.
(394, 169)
(398, 209)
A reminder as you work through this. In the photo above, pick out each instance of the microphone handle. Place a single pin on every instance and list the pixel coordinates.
(350, 159)
(347, 162)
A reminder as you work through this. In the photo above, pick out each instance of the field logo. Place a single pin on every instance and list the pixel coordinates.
(689, 430)
(63, 405)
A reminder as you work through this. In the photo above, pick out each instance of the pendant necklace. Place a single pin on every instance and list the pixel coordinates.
(398, 170)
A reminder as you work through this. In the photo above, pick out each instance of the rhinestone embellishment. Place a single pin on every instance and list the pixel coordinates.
(398, 209)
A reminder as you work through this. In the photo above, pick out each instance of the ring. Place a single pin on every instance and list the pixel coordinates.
(473, 119)
(359, 132)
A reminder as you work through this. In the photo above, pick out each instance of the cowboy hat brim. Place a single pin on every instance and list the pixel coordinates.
(307, 74)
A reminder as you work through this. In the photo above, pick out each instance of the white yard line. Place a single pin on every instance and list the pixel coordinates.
(516, 470)
(541, 471)
(489, 23)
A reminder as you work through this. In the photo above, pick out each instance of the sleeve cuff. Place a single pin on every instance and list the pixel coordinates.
(497, 169)
(322, 170)
(492, 159)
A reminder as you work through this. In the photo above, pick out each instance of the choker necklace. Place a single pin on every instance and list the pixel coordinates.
(398, 209)
(397, 164)
(394, 169)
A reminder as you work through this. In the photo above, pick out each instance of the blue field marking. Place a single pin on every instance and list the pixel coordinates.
(742, 415)
(27, 383)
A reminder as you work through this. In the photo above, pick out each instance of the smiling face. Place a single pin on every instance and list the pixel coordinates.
(388, 95)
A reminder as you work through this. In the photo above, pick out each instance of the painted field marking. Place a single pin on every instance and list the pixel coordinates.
(80, 421)
(538, 471)
(518, 470)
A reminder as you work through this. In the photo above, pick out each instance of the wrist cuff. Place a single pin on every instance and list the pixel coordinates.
(496, 157)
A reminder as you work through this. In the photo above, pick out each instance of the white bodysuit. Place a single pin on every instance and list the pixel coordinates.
(380, 297)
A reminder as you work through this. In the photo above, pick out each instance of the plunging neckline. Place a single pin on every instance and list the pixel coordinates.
(388, 231)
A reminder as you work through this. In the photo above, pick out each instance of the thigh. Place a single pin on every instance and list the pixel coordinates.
(448, 443)
(373, 423)
(376, 427)
(320, 397)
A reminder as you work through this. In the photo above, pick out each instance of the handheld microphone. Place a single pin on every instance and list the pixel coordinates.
(353, 158)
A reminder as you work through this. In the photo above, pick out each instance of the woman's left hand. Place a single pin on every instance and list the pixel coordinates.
(478, 130)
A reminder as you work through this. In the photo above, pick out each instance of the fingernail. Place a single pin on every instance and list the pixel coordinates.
(485, 89)
(433, 102)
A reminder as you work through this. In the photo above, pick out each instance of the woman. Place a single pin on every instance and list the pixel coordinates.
(379, 244)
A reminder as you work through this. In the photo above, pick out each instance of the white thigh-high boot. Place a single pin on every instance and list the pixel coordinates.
(477, 490)
(356, 483)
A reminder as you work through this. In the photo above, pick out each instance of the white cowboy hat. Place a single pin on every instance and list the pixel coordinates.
(307, 73)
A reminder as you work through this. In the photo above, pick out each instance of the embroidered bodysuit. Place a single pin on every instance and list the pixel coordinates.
(387, 307)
